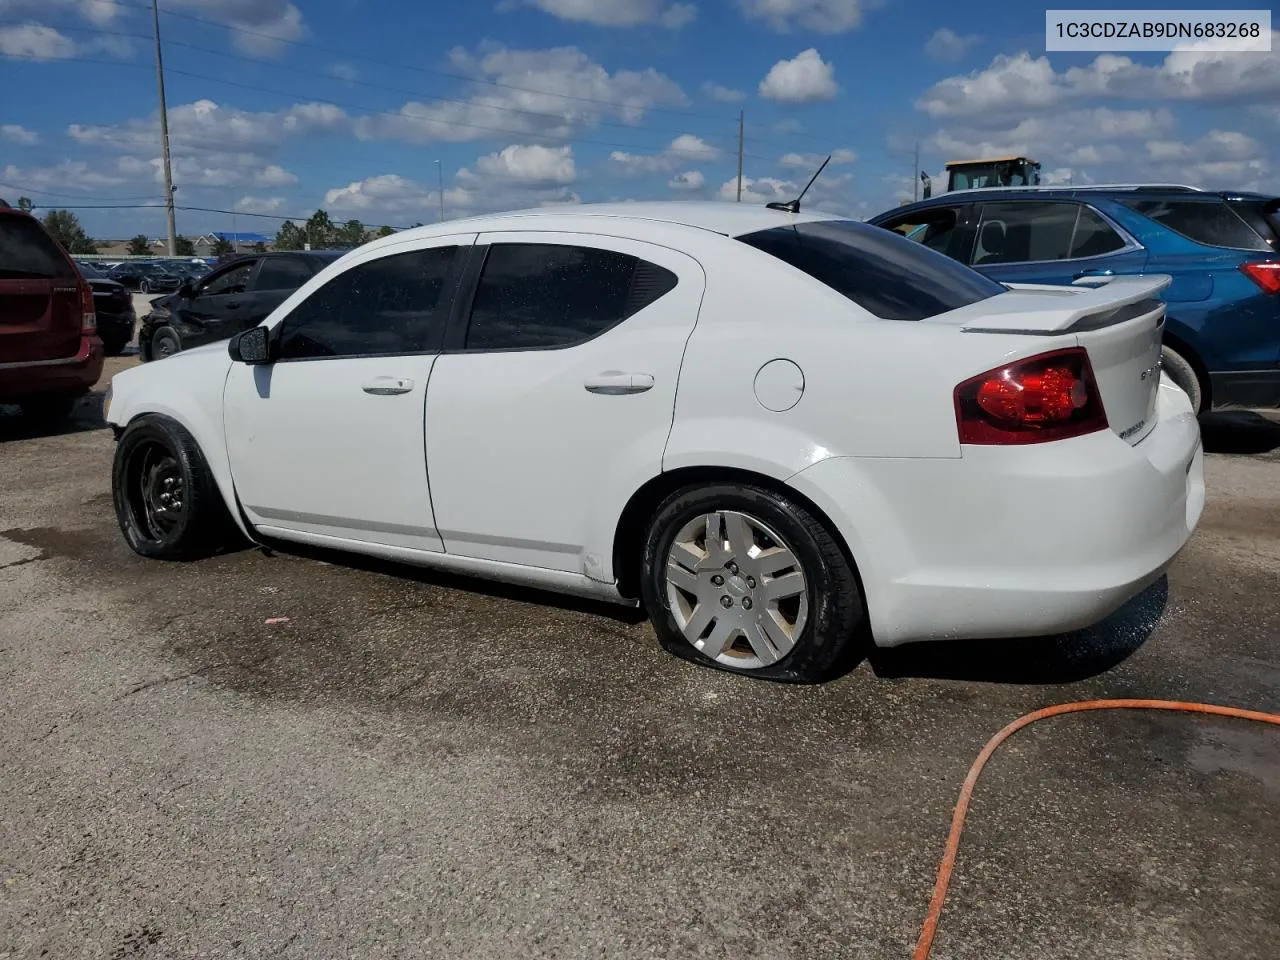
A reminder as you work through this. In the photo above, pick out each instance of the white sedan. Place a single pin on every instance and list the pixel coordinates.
(780, 432)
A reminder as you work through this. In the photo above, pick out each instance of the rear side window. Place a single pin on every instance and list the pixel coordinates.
(1094, 236)
(1263, 216)
(1210, 222)
(887, 275)
(282, 273)
(393, 305)
(232, 281)
(28, 253)
(1024, 232)
(541, 295)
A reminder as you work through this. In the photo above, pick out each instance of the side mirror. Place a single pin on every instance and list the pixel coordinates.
(253, 346)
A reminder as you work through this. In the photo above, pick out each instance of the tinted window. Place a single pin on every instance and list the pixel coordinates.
(391, 305)
(1262, 215)
(884, 274)
(933, 228)
(88, 269)
(547, 295)
(1018, 232)
(27, 252)
(1094, 236)
(1205, 221)
(282, 273)
(233, 281)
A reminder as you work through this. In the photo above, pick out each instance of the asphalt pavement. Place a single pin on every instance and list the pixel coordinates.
(414, 765)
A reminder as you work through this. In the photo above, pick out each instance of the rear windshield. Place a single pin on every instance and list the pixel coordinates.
(1263, 216)
(884, 273)
(1210, 222)
(28, 253)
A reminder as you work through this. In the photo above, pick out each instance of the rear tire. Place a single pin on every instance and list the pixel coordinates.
(167, 503)
(165, 343)
(773, 595)
(1184, 375)
(49, 411)
(144, 286)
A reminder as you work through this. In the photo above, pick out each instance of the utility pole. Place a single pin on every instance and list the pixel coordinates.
(164, 134)
(440, 181)
(915, 175)
(740, 139)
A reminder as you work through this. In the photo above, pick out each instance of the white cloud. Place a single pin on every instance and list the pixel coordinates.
(685, 148)
(343, 71)
(689, 180)
(69, 173)
(946, 44)
(1221, 159)
(723, 94)
(820, 16)
(387, 193)
(1020, 82)
(759, 190)
(615, 13)
(95, 11)
(205, 124)
(1054, 135)
(248, 204)
(273, 175)
(36, 42)
(18, 134)
(531, 164)
(262, 27)
(811, 161)
(574, 93)
(802, 79)
(828, 193)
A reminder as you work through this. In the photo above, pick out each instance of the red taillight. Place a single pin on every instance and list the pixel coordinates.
(88, 312)
(1047, 397)
(1265, 273)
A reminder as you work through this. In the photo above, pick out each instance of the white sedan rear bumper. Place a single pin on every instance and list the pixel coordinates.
(1016, 541)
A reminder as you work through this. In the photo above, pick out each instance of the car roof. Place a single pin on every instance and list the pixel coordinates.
(1146, 192)
(729, 219)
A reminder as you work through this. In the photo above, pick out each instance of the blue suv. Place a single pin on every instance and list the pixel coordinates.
(1222, 335)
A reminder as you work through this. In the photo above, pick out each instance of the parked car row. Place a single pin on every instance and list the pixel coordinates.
(156, 276)
(1222, 332)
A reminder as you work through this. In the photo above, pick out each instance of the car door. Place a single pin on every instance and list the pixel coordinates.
(556, 390)
(271, 286)
(1050, 241)
(214, 310)
(326, 442)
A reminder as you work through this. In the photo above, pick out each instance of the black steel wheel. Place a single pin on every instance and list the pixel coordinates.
(167, 503)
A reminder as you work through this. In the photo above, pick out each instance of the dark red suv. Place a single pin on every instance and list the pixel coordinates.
(50, 353)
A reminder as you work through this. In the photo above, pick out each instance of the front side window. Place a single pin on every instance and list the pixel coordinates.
(542, 295)
(1020, 231)
(888, 276)
(392, 305)
(233, 280)
(1210, 222)
(934, 228)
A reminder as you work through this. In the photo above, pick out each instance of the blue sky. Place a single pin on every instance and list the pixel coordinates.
(280, 107)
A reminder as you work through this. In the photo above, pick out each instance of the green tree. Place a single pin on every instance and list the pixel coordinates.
(290, 237)
(25, 204)
(183, 247)
(385, 231)
(64, 226)
(350, 234)
(138, 246)
(221, 247)
(320, 231)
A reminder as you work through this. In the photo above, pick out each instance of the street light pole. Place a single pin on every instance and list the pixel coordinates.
(164, 134)
(440, 179)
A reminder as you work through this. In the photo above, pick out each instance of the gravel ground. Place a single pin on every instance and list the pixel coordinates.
(415, 765)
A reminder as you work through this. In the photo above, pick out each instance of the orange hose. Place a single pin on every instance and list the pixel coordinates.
(925, 944)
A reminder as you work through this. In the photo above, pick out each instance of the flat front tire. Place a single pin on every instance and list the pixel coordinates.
(167, 503)
(745, 579)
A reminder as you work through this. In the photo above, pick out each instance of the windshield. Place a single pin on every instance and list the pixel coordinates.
(884, 273)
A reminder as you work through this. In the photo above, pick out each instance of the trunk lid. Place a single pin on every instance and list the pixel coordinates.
(40, 298)
(1120, 324)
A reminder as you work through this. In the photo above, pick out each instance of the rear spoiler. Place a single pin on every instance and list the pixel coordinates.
(1041, 308)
